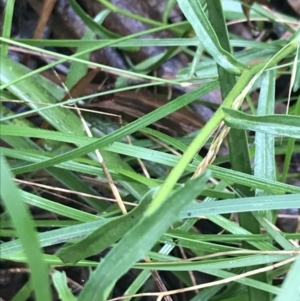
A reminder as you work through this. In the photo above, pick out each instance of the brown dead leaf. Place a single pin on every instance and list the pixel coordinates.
(79, 89)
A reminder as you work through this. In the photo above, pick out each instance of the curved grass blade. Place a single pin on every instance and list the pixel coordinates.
(167, 159)
(206, 34)
(128, 129)
(93, 25)
(282, 125)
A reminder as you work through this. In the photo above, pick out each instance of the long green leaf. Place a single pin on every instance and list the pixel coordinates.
(20, 216)
(52, 237)
(291, 287)
(7, 25)
(139, 240)
(126, 130)
(206, 34)
(60, 283)
(282, 125)
(105, 235)
(242, 205)
(264, 142)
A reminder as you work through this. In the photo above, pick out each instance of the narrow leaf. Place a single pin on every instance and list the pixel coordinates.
(139, 240)
(194, 12)
(20, 216)
(105, 235)
(282, 125)
(60, 282)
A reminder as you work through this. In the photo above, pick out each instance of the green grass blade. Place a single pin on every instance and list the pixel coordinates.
(128, 129)
(290, 289)
(51, 206)
(94, 26)
(20, 216)
(167, 159)
(66, 177)
(206, 34)
(264, 143)
(53, 237)
(78, 70)
(60, 283)
(241, 205)
(38, 91)
(265, 166)
(282, 125)
(297, 75)
(104, 236)
(290, 147)
(7, 24)
(139, 240)
(24, 293)
(203, 265)
(232, 227)
(274, 233)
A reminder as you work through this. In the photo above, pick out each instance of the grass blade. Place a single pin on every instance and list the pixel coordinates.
(291, 288)
(7, 25)
(20, 216)
(105, 235)
(206, 34)
(139, 240)
(282, 125)
(60, 283)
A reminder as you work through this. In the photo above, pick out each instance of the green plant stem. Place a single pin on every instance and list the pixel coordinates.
(238, 93)
(239, 153)
(290, 148)
(7, 24)
(11, 197)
